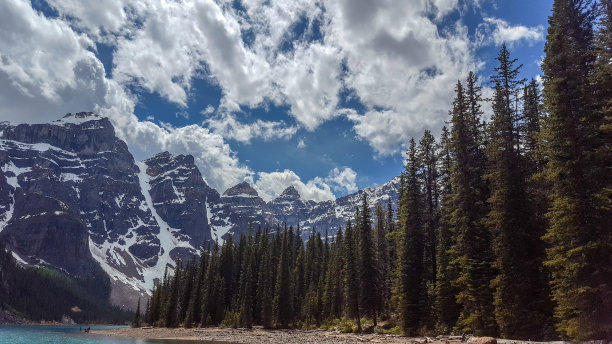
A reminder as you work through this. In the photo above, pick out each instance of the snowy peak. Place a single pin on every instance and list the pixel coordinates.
(179, 194)
(289, 194)
(243, 189)
(78, 118)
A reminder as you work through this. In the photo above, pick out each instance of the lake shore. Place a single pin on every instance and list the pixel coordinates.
(259, 335)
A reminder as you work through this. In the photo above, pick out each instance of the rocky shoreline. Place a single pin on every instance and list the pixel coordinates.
(259, 335)
(8, 318)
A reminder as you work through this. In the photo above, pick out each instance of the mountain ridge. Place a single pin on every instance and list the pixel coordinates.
(137, 217)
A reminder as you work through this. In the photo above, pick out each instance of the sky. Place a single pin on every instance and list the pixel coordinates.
(322, 95)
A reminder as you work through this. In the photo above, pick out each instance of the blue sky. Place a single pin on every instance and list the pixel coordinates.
(321, 95)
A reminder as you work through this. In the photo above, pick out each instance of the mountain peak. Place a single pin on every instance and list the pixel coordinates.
(290, 193)
(78, 118)
(243, 188)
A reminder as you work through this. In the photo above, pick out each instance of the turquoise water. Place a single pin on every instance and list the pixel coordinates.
(65, 335)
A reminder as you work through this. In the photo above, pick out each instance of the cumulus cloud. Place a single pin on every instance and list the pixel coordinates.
(401, 67)
(47, 70)
(270, 185)
(342, 181)
(390, 56)
(498, 31)
(217, 162)
(301, 144)
(229, 127)
(98, 17)
(209, 110)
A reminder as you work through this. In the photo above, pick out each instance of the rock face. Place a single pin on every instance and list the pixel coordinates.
(72, 197)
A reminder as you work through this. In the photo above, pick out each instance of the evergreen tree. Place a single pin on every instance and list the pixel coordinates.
(410, 285)
(282, 297)
(383, 263)
(368, 289)
(333, 292)
(194, 307)
(428, 166)
(511, 216)
(351, 276)
(246, 285)
(171, 306)
(137, 322)
(447, 308)
(265, 284)
(471, 250)
(576, 233)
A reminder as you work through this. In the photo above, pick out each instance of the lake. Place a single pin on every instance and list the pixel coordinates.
(38, 334)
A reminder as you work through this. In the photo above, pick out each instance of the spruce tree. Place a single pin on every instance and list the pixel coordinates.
(368, 289)
(282, 297)
(471, 251)
(246, 286)
(137, 321)
(351, 276)
(576, 233)
(517, 286)
(428, 166)
(446, 306)
(383, 257)
(171, 306)
(410, 285)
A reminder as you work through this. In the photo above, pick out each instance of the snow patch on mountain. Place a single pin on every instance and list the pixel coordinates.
(165, 236)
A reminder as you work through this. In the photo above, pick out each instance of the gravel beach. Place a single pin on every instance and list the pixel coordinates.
(259, 335)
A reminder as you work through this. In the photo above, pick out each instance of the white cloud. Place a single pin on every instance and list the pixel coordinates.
(208, 111)
(270, 185)
(183, 114)
(97, 17)
(301, 144)
(401, 67)
(342, 181)
(229, 127)
(217, 162)
(46, 69)
(391, 56)
(498, 31)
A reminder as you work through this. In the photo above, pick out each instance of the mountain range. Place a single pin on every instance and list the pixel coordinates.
(72, 197)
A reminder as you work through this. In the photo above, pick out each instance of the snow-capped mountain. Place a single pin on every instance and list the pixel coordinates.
(71, 195)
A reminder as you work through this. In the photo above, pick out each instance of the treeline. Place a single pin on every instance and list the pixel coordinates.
(38, 293)
(503, 226)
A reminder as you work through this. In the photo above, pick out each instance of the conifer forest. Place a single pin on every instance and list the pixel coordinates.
(503, 228)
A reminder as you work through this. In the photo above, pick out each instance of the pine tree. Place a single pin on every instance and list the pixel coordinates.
(213, 293)
(428, 166)
(569, 141)
(171, 306)
(602, 154)
(194, 307)
(282, 297)
(246, 286)
(410, 285)
(383, 263)
(265, 284)
(333, 292)
(447, 308)
(511, 216)
(137, 322)
(368, 289)
(351, 277)
(471, 250)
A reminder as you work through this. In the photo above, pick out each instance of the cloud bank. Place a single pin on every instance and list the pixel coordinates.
(391, 57)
